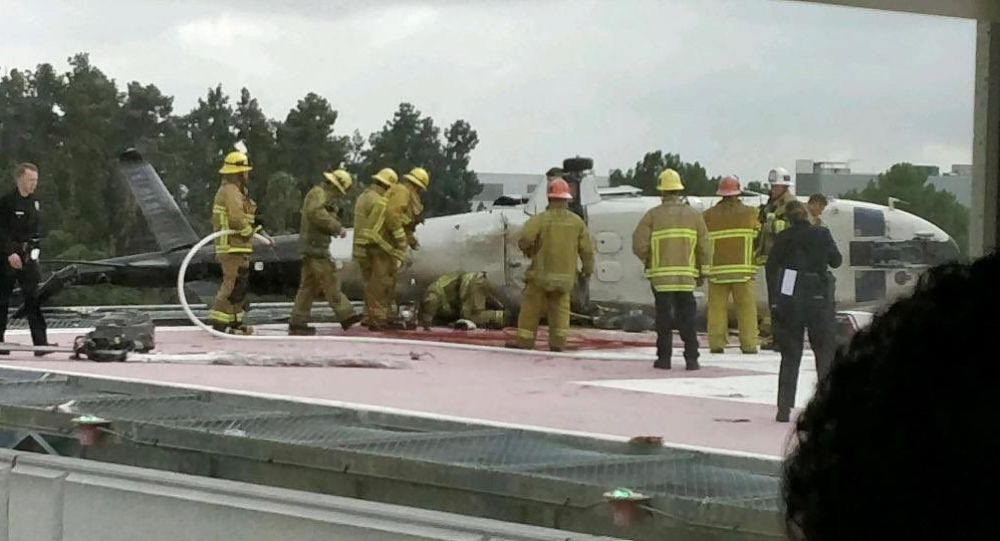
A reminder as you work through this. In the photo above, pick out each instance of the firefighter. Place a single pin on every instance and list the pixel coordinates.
(405, 199)
(319, 275)
(461, 295)
(672, 242)
(732, 229)
(233, 210)
(379, 247)
(554, 240)
(771, 217)
(798, 270)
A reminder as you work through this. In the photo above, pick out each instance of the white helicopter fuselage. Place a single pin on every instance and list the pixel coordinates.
(884, 250)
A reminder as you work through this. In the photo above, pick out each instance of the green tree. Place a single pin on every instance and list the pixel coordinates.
(91, 103)
(284, 200)
(645, 174)
(209, 138)
(257, 133)
(306, 144)
(909, 183)
(410, 140)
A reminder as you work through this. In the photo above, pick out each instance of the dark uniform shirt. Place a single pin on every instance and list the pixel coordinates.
(807, 249)
(19, 223)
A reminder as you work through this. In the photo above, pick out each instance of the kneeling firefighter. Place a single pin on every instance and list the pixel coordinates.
(461, 295)
(319, 274)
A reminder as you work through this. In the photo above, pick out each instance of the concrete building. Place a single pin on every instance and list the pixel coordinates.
(958, 181)
(497, 184)
(836, 178)
(830, 178)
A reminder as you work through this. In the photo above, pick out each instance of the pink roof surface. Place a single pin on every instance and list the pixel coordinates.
(533, 391)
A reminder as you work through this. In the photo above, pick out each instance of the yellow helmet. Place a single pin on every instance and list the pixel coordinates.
(419, 176)
(386, 177)
(670, 181)
(340, 179)
(235, 162)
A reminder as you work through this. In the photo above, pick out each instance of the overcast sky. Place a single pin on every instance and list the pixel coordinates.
(739, 85)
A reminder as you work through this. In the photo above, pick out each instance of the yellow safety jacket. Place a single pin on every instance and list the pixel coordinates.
(233, 209)
(554, 240)
(732, 229)
(672, 242)
(317, 224)
(446, 294)
(772, 220)
(405, 201)
(376, 224)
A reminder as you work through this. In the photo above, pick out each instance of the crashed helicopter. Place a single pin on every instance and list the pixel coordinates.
(885, 249)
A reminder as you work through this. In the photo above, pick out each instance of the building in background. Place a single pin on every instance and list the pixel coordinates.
(836, 178)
(830, 178)
(957, 181)
(512, 184)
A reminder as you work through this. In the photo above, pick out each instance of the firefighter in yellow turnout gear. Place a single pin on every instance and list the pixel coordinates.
(405, 200)
(732, 230)
(672, 242)
(460, 295)
(772, 221)
(319, 275)
(233, 210)
(554, 240)
(379, 247)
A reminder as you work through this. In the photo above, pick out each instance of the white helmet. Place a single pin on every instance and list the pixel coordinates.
(779, 177)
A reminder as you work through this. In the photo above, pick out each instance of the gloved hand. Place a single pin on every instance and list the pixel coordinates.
(700, 281)
(414, 244)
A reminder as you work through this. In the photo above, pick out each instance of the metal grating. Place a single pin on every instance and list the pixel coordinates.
(685, 475)
(320, 430)
(181, 407)
(44, 393)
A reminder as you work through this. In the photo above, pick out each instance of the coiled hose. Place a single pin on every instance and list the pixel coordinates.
(181, 274)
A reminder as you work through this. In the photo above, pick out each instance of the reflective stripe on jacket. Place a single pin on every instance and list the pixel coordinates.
(732, 229)
(375, 223)
(672, 242)
(555, 240)
(233, 209)
(772, 220)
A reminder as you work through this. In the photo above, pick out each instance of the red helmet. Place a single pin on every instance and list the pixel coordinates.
(729, 186)
(559, 189)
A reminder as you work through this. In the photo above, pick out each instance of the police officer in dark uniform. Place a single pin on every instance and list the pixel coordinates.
(802, 299)
(19, 237)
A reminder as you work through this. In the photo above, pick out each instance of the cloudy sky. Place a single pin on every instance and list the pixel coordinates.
(739, 85)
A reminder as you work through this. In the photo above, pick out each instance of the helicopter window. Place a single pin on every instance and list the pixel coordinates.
(869, 223)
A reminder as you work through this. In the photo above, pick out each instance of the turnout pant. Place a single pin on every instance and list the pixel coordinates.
(675, 310)
(230, 301)
(535, 301)
(319, 278)
(745, 298)
(27, 277)
(378, 272)
(795, 316)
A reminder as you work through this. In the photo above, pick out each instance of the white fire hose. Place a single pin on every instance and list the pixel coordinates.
(366, 339)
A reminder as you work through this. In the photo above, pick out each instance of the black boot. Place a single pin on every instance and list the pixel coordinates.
(783, 415)
(350, 321)
(692, 363)
(663, 364)
(301, 330)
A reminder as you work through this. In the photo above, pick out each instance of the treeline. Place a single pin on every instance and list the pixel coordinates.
(74, 125)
